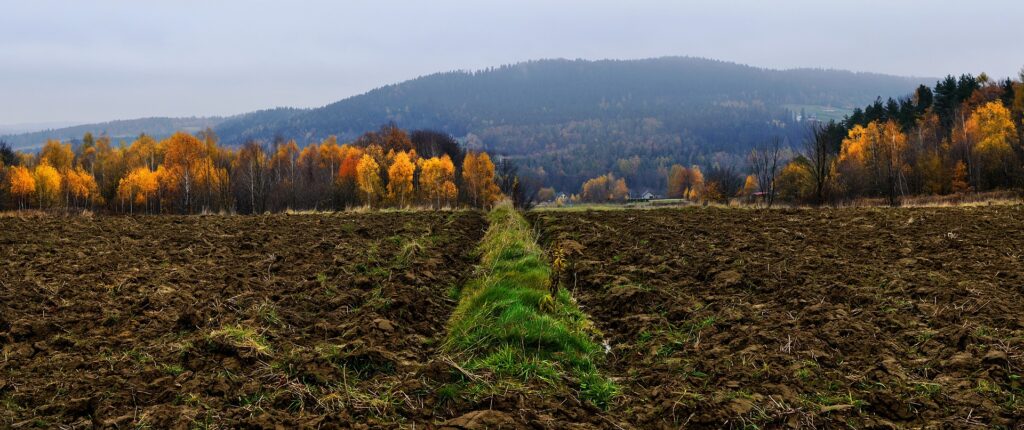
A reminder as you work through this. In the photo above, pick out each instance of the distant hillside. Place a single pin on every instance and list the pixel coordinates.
(569, 119)
(121, 129)
(559, 91)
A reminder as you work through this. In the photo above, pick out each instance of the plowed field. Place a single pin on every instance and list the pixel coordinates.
(862, 318)
(184, 322)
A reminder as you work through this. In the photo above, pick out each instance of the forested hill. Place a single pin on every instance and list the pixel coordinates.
(117, 130)
(560, 91)
(574, 119)
(571, 120)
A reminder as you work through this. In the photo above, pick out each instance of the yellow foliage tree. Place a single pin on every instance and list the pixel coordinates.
(794, 182)
(47, 181)
(749, 188)
(678, 182)
(478, 180)
(21, 184)
(185, 161)
(57, 155)
(368, 179)
(400, 176)
(80, 186)
(991, 129)
(331, 156)
(138, 188)
(695, 187)
(437, 181)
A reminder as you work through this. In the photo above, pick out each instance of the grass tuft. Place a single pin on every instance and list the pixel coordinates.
(243, 339)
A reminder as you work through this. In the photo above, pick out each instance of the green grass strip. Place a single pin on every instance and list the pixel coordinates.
(506, 323)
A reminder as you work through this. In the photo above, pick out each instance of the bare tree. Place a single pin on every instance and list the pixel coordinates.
(765, 163)
(522, 189)
(251, 178)
(819, 151)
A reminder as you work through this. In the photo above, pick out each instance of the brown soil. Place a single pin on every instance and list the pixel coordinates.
(862, 318)
(228, 322)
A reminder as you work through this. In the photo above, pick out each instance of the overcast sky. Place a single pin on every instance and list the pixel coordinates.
(85, 61)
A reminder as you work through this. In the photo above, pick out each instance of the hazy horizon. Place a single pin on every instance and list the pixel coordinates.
(78, 62)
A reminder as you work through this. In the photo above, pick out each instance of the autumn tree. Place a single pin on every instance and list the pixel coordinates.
(108, 167)
(437, 181)
(144, 151)
(331, 157)
(346, 182)
(546, 194)
(873, 161)
(184, 160)
(697, 184)
(678, 182)
(138, 188)
(604, 188)
(994, 137)
(750, 187)
(312, 184)
(21, 184)
(47, 185)
(478, 180)
(80, 187)
(891, 150)
(400, 179)
(795, 182)
(853, 162)
(368, 179)
(57, 155)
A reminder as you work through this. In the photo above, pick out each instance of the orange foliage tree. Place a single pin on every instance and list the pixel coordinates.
(478, 180)
(80, 186)
(138, 188)
(21, 184)
(605, 188)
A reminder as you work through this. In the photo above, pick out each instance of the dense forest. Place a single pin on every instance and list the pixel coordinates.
(564, 121)
(187, 174)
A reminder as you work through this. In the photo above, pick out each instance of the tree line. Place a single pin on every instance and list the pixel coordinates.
(192, 173)
(964, 135)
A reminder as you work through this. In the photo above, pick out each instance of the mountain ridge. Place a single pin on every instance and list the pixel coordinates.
(475, 102)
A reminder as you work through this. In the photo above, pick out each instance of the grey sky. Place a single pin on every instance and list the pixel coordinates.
(98, 60)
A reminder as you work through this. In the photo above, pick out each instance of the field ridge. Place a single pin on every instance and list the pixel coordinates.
(511, 322)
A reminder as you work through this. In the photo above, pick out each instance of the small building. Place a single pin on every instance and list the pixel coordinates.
(645, 197)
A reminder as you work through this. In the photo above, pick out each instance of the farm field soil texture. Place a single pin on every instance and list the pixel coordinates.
(833, 318)
(227, 322)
